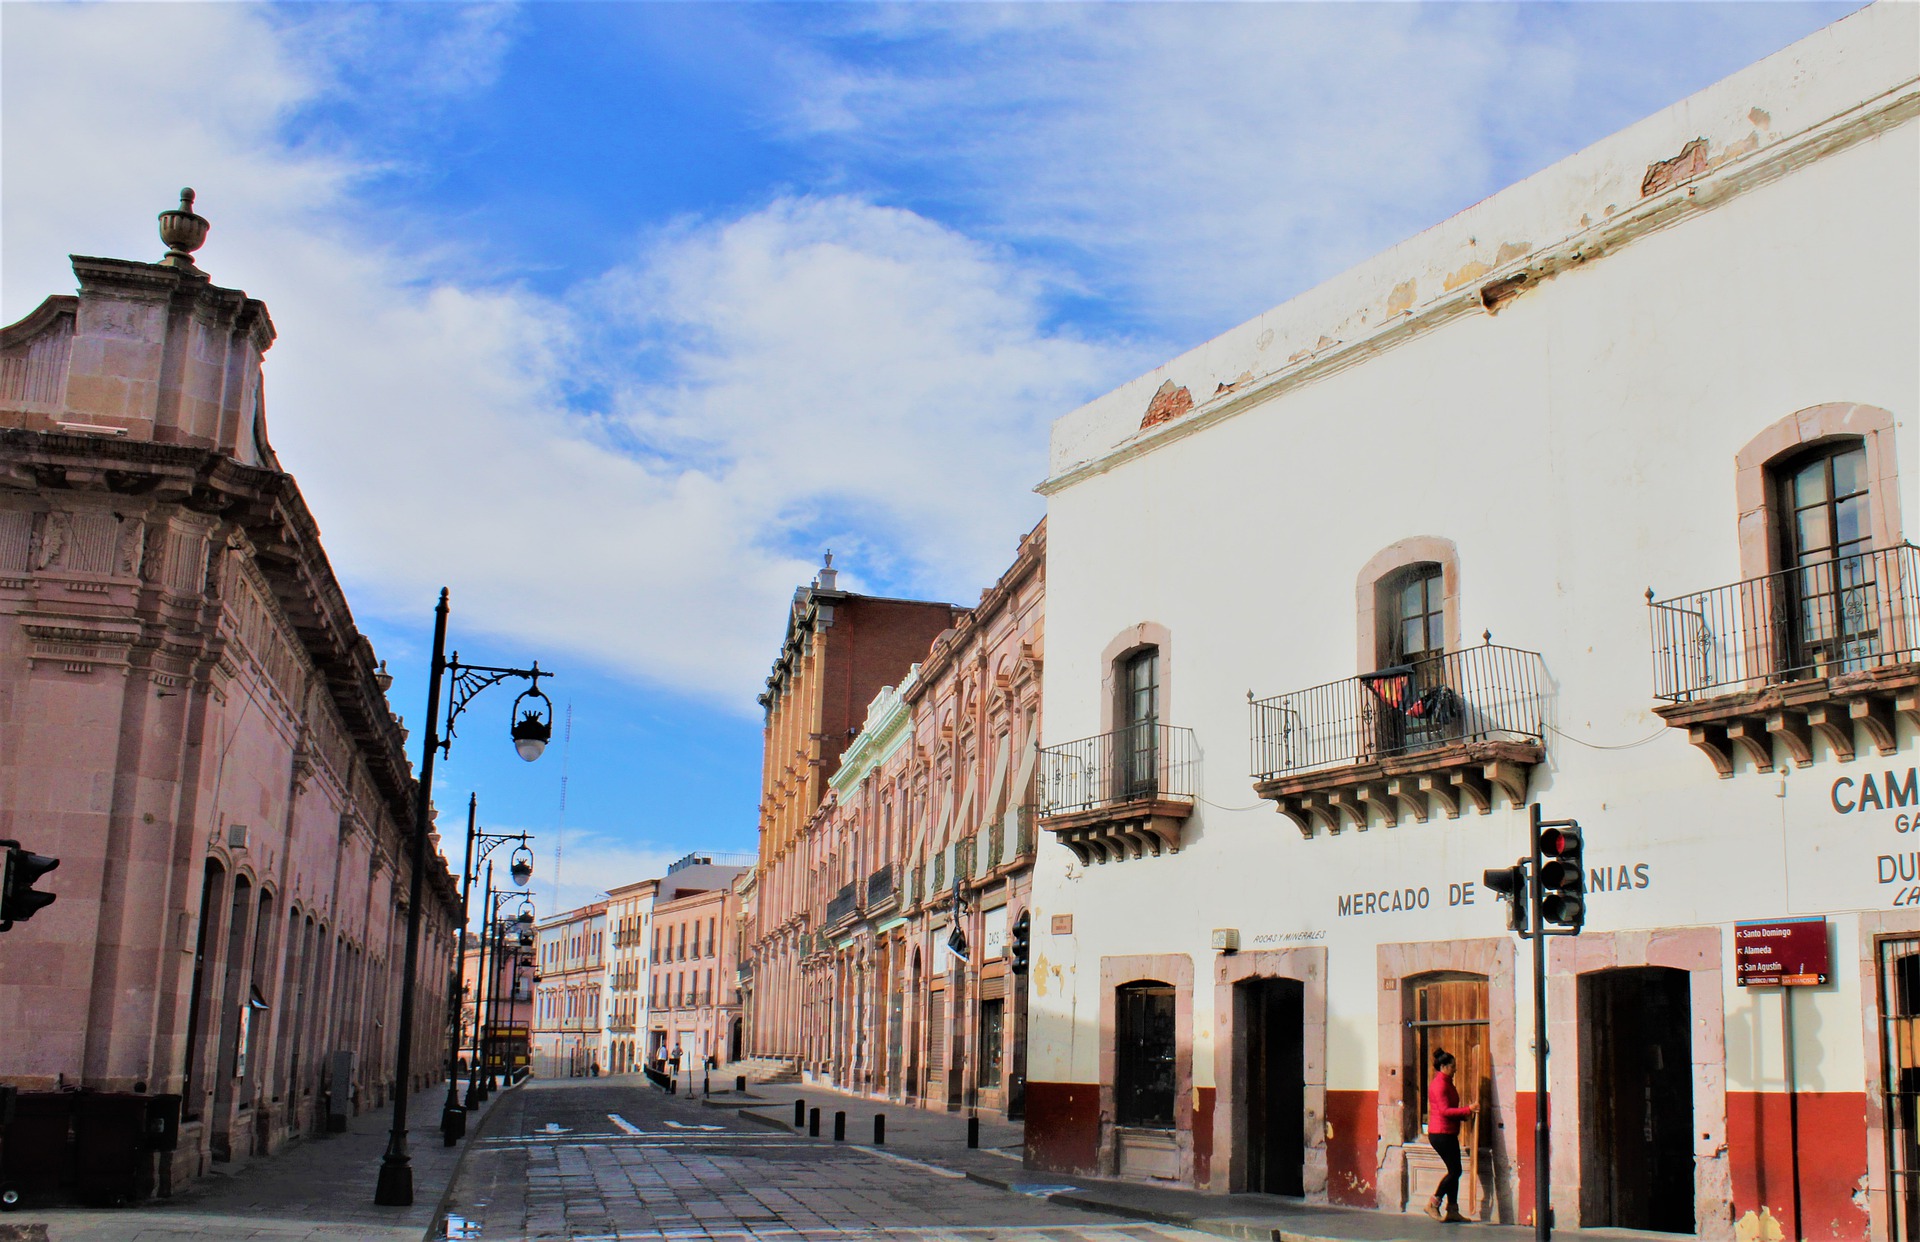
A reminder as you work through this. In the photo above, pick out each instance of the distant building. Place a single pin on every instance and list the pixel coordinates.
(191, 722)
(840, 650)
(570, 988)
(694, 993)
(507, 998)
(923, 854)
(629, 974)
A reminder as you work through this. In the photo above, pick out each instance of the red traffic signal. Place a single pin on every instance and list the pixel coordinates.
(1563, 875)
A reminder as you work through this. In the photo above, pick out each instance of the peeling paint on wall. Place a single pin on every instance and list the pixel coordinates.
(1665, 174)
(1761, 1227)
(1473, 270)
(1169, 402)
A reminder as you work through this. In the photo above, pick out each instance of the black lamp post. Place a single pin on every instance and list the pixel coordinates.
(496, 932)
(489, 968)
(453, 1117)
(530, 733)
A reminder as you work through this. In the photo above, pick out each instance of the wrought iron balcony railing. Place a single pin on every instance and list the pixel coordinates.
(1831, 618)
(1139, 762)
(843, 905)
(880, 886)
(1480, 693)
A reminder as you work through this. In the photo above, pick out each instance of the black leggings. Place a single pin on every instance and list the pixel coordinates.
(1447, 1147)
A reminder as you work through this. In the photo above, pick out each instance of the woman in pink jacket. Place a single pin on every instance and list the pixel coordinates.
(1444, 1116)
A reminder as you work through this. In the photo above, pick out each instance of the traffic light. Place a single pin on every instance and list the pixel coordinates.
(20, 870)
(1563, 875)
(1510, 885)
(1022, 944)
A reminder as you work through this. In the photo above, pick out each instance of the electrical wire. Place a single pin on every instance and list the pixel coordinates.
(1218, 807)
(1654, 736)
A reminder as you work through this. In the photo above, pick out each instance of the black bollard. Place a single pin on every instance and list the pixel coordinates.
(706, 1085)
(973, 1132)
(813, 1123)
(740, 1083)
(839, 1127)
(799, 1113)
(879, 1129)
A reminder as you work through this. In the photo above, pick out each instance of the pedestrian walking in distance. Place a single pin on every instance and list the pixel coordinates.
(1444, 1116)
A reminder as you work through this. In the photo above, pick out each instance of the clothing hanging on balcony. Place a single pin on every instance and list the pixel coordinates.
(1398, 690)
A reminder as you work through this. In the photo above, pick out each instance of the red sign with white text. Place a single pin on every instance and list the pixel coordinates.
(1781, 953)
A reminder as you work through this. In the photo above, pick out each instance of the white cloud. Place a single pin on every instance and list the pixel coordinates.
(1205, 162)
(813, 372)
(639, 472)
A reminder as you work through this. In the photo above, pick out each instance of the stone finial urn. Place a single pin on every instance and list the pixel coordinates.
(182, 231)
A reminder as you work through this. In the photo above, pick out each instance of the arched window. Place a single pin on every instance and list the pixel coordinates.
(1829, 586)
(1411, 615)
(1137, 715)
(1144, 1054)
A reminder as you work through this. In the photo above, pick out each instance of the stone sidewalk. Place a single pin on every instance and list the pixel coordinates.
(318, 1190)
(940, 1138)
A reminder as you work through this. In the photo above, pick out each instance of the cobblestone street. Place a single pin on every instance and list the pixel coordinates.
(596, 1159)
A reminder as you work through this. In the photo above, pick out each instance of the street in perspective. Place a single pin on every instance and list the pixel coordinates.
(1118, 622)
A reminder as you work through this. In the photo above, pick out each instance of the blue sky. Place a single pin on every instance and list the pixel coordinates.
(611, 317)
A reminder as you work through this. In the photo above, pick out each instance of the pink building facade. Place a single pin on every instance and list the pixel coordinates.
(927, 824)
(694, 1001)
(191, 722)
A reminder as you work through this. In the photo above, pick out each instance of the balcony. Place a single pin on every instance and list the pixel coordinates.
(880, 890)
(1120, 795)
(844, 906)
(1402, 742)
(1775, 661)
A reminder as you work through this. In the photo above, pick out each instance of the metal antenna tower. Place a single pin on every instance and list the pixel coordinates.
(560, 832)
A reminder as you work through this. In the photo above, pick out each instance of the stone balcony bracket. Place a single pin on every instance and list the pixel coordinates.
(1116, 832)
(1774, 724)
(1410, 787)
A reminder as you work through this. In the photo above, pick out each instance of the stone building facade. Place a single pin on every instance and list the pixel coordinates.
(1416, 512)
(192, 724)
(839, 651)
(929, 825)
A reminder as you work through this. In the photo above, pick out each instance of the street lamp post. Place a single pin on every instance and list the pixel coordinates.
(453, 1117)
(489, 968)
(493, 943)
(530, 732)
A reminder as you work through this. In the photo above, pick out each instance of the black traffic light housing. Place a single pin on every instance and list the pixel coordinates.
(1561, 866)
(19, 872)
(1510, 885)
(1022, 944)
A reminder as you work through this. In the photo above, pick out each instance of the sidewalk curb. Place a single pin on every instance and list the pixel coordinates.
(1088, 1201)
(772, 1123)
(474, 1132)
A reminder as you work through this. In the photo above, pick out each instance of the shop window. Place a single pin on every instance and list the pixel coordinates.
(1144, 1055)
(992, 1024)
